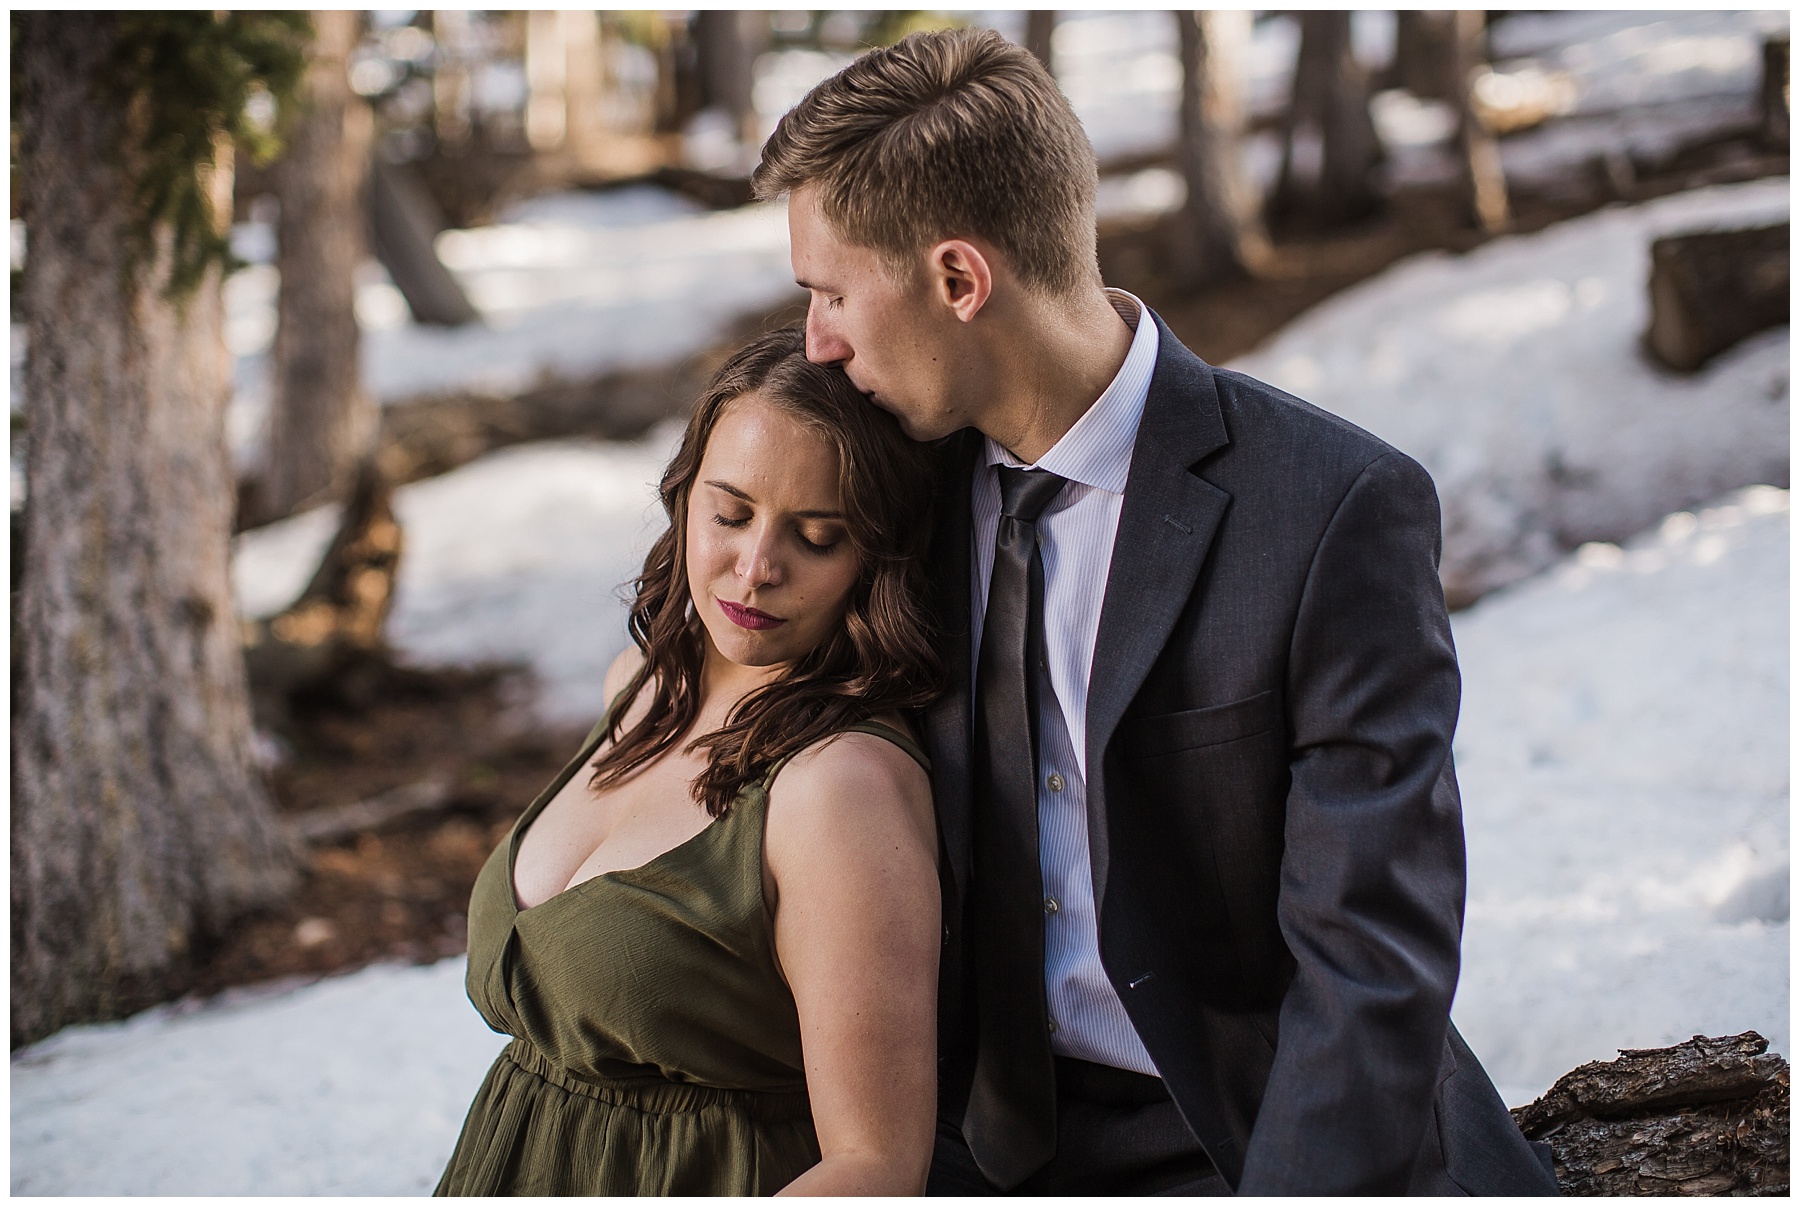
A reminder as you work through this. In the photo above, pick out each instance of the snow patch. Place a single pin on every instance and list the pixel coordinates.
(1623, 755)
(356, 1085)
(1514, 375)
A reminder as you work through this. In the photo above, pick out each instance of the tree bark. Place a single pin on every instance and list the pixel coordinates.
(321, 423)
(1330, 148)
(1218, 236)
(138, 821)
(1706, 1117)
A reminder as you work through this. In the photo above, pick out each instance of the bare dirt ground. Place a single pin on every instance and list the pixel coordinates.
(401, 892)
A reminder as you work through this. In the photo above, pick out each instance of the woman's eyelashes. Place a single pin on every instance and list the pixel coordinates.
(815, 546)
(821, 547)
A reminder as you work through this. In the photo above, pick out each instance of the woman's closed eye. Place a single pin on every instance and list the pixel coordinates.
(825, 546)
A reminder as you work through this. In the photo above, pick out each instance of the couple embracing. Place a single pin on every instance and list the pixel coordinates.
(1032, 771)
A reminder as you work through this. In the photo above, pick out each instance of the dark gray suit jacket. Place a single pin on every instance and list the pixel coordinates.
(1273, 816)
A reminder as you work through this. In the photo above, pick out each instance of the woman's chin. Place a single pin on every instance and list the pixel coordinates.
(751, 649)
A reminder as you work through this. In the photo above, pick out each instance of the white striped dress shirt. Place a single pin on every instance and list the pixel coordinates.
(1075, 535)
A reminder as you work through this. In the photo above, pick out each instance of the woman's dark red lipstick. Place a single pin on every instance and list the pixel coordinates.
(747, 617)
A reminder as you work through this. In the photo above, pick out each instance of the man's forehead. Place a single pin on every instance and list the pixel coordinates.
(819, 253)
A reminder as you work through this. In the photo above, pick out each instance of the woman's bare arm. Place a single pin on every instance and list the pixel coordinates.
(851, 851)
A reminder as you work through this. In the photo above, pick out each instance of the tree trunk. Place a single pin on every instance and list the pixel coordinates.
(138, 822)
(1773, 93)
(584, 88)
(1483, 183)
(1422, 52)
(405, 221)
(321, 423)
(1040, 28)
(1218, 236)
(1330, 148)
(726, 43)
(546, 81)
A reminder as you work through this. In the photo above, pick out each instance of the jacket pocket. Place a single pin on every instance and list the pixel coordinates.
(1166, 733)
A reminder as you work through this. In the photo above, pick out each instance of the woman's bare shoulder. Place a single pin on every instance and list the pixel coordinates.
(847, 784)
(619, 674)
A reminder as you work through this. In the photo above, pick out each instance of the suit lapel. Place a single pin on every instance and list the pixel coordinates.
(1166, 526)
(947, 721)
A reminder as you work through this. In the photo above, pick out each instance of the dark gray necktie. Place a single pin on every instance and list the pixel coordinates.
(1011, 1120)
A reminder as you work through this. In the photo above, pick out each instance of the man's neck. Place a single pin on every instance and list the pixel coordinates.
(1055, 361)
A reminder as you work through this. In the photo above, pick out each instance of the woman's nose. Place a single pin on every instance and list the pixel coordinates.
(758, 563)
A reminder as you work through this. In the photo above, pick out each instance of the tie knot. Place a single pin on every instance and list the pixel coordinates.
(1024, 493)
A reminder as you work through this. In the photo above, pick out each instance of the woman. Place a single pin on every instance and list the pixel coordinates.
(718, 950)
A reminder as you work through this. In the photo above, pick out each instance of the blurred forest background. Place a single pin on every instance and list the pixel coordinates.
(345, 346)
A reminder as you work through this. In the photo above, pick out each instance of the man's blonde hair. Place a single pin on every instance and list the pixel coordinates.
(946, 134)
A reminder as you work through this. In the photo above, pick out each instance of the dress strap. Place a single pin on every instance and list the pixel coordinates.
(898, 737)
(874, 728)
(594, 734)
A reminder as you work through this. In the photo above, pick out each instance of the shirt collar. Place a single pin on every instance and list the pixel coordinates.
(1097, 450)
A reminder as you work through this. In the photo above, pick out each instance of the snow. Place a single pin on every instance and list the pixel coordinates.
(1514, 375)
(356, 1085)
(1623, 755)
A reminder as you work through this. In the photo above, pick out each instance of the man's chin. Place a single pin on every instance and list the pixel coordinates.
(914, 430)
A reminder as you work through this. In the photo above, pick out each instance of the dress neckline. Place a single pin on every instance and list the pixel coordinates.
(597, 735)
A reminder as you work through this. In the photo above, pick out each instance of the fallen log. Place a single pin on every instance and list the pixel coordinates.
(1710, 290)
(319, 826)
(1706, 1117)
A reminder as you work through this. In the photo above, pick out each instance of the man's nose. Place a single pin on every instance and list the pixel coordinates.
(822, 346)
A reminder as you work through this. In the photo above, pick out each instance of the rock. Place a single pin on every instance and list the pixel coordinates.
(1706, 1117)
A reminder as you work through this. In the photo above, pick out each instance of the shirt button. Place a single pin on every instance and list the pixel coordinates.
(1053, 1026)
(1056, 782)
(1051, 905)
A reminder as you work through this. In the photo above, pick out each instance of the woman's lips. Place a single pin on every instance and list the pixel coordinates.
(747, 617)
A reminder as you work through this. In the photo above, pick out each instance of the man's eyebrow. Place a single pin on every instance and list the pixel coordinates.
(734, 492)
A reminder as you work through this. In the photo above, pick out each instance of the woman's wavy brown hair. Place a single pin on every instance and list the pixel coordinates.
(882, 658)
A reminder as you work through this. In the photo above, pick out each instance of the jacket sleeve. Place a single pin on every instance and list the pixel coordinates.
(1372, 871)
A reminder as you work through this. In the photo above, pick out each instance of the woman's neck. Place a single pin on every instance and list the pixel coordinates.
(723, 683)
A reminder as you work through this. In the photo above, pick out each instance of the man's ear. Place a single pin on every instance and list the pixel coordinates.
(961, 277)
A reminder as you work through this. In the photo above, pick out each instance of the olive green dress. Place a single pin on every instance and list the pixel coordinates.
(656, 1046)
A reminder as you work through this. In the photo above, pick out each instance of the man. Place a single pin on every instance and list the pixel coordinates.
(1203, 875)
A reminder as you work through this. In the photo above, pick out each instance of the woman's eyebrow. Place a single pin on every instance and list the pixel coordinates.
(734, 492)
(729, 489)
